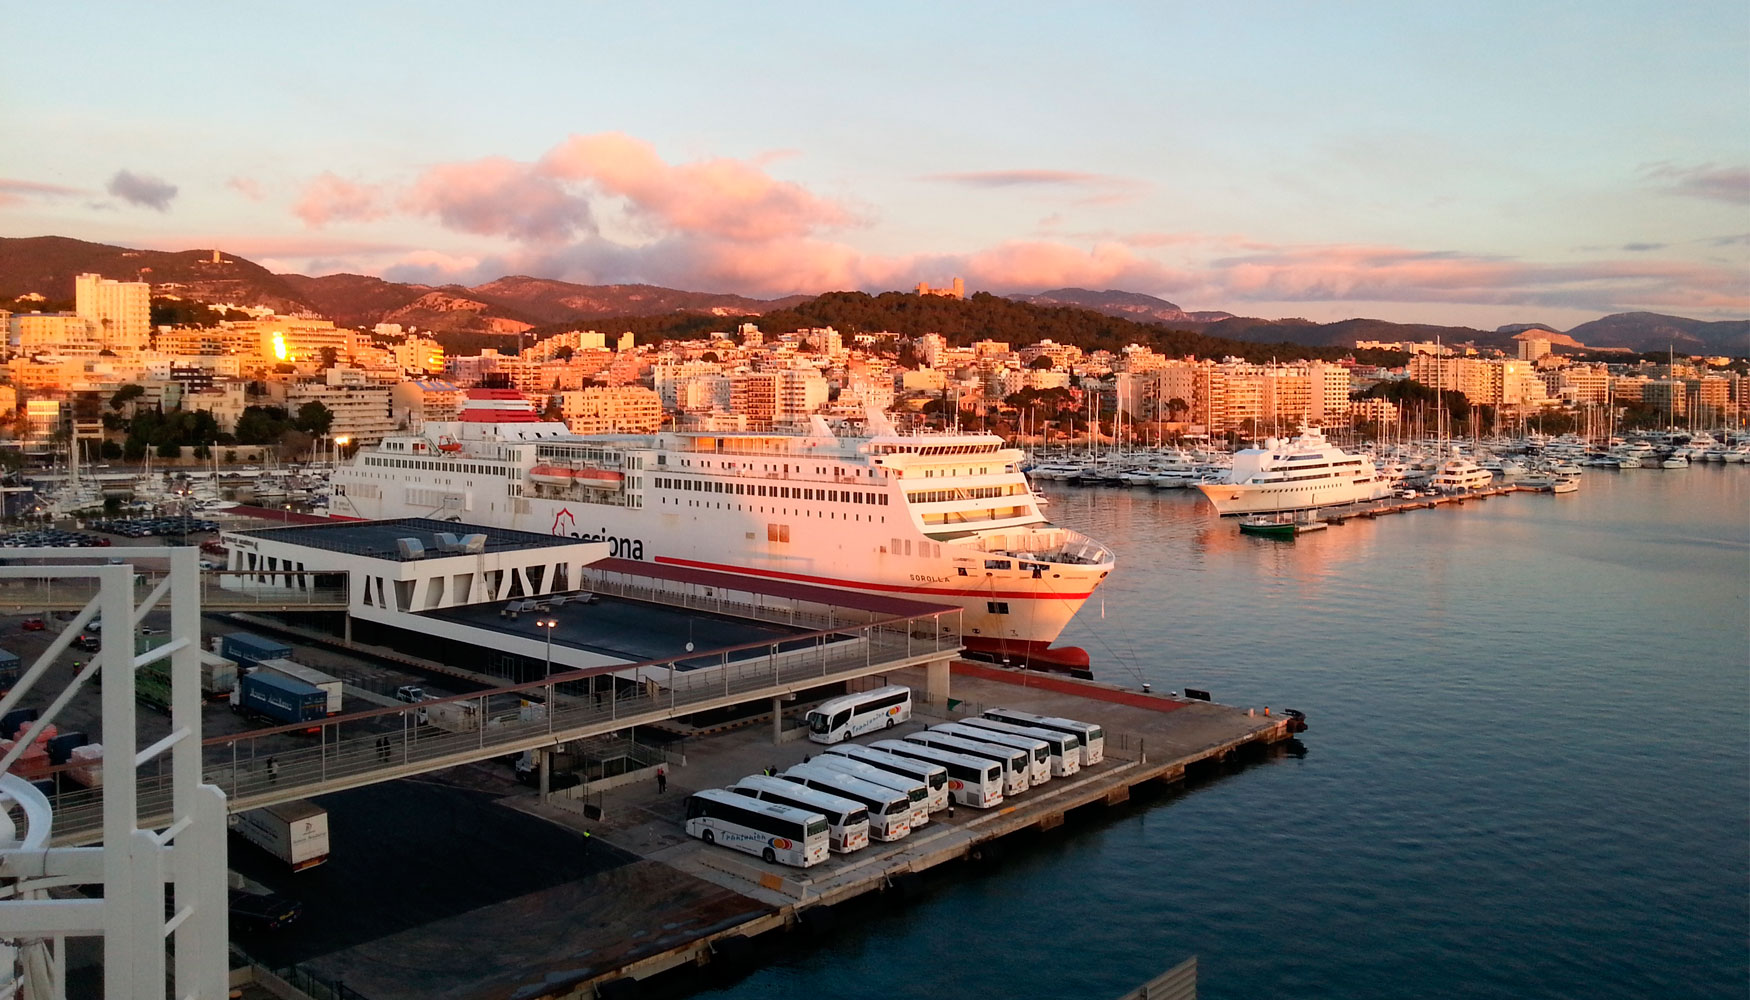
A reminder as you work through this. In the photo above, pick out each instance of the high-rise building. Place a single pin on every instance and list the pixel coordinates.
(120, 312)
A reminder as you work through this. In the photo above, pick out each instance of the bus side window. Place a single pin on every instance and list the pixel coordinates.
(841, 718)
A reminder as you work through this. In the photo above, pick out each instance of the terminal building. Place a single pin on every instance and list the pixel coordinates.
(523, 606)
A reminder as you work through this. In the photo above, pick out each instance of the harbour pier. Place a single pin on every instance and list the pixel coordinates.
(678, 903)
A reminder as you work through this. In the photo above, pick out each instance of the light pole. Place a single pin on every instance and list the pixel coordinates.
(339, 442)
(549, 624)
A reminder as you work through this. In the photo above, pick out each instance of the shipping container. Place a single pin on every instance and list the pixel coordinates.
(247, 649)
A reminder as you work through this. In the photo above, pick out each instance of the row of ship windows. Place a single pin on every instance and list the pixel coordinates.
(471, 468)
(968, 493)
(750, 508)
(775, 492)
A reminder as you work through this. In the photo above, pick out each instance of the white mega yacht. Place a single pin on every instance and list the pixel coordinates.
(1304, 473)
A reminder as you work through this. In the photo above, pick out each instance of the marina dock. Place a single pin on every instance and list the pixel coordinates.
(680, 903)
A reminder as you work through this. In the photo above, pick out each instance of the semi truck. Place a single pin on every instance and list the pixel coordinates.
(328, 683)
(295, 832)
(279, 699)
(247, 649)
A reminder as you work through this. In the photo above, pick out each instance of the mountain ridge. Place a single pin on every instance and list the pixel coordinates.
(511, 304)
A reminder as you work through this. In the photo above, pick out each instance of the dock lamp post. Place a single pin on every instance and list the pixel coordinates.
(549, 624)
(340, 442)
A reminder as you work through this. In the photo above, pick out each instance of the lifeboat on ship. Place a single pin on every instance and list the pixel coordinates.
(561, 475)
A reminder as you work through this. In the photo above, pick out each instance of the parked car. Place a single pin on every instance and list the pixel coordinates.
(87, 642)
(410, 693)
(252, 911)
(34, 625)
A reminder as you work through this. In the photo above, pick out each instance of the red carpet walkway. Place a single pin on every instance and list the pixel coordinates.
(1064, 685)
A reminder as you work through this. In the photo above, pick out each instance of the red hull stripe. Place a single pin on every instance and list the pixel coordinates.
(827, 581)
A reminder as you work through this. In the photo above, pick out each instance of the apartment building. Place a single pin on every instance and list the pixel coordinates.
(120, 312)
(626, 409)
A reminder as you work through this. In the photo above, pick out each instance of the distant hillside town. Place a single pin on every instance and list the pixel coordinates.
(208, 377)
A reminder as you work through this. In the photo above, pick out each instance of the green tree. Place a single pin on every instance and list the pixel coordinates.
(563, 353)
(314, 419)
(110, 450)
(261, 425)
(329, 356)
(1043, 363)
(170, 449)
(124, 394)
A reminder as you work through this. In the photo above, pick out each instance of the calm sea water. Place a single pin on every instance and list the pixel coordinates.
(1528, 773)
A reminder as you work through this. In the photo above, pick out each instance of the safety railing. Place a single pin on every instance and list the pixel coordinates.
(343, 751)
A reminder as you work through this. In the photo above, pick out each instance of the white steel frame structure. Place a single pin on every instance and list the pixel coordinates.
(134, 866)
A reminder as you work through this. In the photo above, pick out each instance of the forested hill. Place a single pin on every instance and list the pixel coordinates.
(979, 317)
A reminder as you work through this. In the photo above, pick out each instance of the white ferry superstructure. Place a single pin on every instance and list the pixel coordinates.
(940, 517)
(1301, 474)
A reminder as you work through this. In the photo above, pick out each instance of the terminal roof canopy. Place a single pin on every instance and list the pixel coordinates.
(380, 539)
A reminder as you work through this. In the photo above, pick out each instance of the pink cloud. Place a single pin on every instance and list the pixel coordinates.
(329, 198)
(1393, 274)
(15, 192)
(725, 198)
(1729, 184)
(1017, 178)
(499, 197)
(248, 187)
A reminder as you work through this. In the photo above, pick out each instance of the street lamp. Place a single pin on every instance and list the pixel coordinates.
(549, 624)
(339, 442)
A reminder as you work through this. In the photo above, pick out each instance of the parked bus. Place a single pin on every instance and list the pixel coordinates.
(777, 833)
(912, 788)
(1037, 750)
(889, 810)
(973, 781)
(1017, 764)
(840, 719)
(1092, 737)
(1066, 750)
(934, 776)
(847, 822)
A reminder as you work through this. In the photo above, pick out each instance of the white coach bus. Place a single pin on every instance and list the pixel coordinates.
(1017, 764)
(847, 822)
(777, 833)
(1037, 750)
(934, 776)
(840, 719)
(1066, 750)
(1092, 737)
(889, 810)
(912, 788)
(973, 781)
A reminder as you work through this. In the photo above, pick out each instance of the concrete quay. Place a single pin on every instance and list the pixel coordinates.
(679, 903)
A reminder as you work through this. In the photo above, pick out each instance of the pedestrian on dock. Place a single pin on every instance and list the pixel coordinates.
(661, 779)
(273, 769)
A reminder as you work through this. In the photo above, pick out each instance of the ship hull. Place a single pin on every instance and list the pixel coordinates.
(1234, 499)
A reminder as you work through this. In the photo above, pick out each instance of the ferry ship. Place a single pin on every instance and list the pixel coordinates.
(1301, 474)
(948, 518)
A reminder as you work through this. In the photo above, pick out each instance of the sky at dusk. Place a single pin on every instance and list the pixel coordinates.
(1474, 164)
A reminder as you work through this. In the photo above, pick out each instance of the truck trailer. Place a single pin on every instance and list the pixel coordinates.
(330, 684)
(279, 699)
(296, 832)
